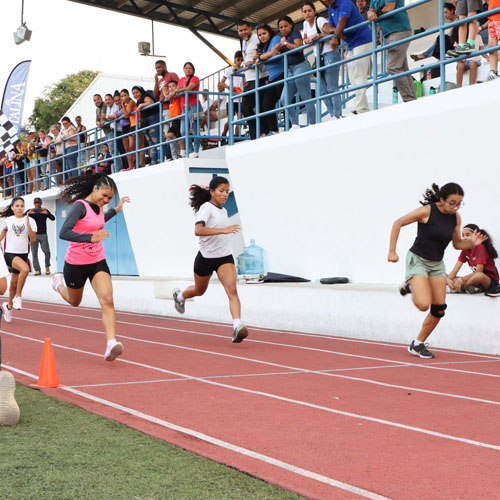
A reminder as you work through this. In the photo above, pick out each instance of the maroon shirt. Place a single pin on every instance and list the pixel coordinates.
(169, 76)
(479, 255)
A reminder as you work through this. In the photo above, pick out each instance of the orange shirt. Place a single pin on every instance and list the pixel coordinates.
(494, 4)
(175, 107)
(133, 115)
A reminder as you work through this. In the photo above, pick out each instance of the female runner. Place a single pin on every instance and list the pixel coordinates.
(84, 229)
(438, 224)
(212, 226)
(19, 230)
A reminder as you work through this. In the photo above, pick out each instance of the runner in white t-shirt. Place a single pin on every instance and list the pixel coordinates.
(213, 228)
(17, 233)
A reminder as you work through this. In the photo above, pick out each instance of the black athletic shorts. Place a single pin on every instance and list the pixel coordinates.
(175, 127)
(9, 257)
(75, 275)
(205, 267)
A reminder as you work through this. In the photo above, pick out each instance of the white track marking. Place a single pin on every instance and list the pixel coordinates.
(282, 398)
(357, 356)
(261, 329)
(221, 444)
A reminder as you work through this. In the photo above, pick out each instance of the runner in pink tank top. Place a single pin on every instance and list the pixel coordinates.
(85, 259)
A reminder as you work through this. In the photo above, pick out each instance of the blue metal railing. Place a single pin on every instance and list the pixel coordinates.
(24, 178)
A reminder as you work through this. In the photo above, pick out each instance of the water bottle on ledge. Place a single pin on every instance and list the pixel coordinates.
(394, 95)
(251, 261)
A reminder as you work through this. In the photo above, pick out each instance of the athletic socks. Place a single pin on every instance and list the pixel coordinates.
(111, 343)
(180, 298)
(471, 41)
(417, 342)
(236, 322)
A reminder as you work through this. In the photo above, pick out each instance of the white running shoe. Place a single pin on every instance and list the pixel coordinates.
(7, 313)
(9, 410)
(17, 303)
(194, 155)
(240, 333)
(179, 304)
(113, 350)
(57, 280)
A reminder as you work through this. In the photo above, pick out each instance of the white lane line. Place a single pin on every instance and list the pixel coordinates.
(358, 356)
(267, 330)
(283, 398)
(220, 443)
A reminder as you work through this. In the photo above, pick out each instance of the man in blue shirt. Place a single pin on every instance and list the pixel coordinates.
(394, 28)
(343, 14)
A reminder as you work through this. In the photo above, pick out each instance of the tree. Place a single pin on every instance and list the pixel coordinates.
(58, 98)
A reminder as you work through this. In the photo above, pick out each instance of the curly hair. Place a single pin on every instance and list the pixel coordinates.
(435, 193)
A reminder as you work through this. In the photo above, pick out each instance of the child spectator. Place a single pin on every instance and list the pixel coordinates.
(467, 8)
(174, 130)
(104, 167)
(494, 36)
(471, 63)
(481, 259)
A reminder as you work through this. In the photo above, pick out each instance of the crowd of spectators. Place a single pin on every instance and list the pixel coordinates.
(133, 128)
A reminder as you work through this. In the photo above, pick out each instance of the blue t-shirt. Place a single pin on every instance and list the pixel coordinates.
(396, 22)
(298, 56)
(346, 8)
(275, 67)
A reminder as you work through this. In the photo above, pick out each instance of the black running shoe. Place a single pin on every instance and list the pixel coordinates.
(493, 292)
(471, 289)
(420, 350)
(240, 333)
(405, 289)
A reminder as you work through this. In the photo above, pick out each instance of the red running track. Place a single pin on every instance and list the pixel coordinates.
(329, 418)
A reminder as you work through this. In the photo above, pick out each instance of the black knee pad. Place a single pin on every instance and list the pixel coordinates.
(437, 310)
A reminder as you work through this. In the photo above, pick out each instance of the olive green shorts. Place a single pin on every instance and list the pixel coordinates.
(418, 266)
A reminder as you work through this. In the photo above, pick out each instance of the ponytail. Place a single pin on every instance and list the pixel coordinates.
(435, 194)
(488, 244)
(7, 211)
(78, 188)
(200, 194)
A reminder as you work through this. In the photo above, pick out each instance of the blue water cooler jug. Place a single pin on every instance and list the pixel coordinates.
(251, 261)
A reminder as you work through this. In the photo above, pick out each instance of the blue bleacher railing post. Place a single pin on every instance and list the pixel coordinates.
(442, 67)
(231, 111)
(374, 65)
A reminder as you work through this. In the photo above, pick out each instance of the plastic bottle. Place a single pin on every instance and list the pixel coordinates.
(428, 75)
(394, 95)
(432, 91)
(251, 261)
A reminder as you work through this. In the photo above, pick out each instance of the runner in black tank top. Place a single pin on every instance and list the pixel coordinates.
(438, 224)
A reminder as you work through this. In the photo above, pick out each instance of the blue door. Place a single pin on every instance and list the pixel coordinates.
(119, 253)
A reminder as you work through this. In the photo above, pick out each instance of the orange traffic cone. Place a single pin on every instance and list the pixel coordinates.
(48, 371)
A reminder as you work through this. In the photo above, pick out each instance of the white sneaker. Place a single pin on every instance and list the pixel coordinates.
(9, 410)
(7, 313)
(295, 127)
(113, 350)
(57, 280)
(492, 75)
(179, 304)
(17, 303)
(194, 155)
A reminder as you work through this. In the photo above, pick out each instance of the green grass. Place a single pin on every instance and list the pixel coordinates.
(61, 452)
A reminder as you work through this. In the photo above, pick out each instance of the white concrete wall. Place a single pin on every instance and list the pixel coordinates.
(321, 201)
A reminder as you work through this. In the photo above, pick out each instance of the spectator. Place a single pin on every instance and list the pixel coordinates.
(105, 167)
(483, 24)
(148, 119)
(57, 148)
(481, 259)
(450, 40)
(297, 64)
(238, 83)
(343, 14)
(128, 122)
(119, 132)
(395, 28)
(190, 82)
(100, 114)
(269, 48)
(250, 42)
(19, 167)
(44, 167)
(69, 140)
(471, 64)
(162, 78)
(467, 31)
(316, 28)
(175, 111)
(81, 132)
(111, 115)
(33, 161)
(40, 216)
(494, 36)
(6, 164)
(363, 7)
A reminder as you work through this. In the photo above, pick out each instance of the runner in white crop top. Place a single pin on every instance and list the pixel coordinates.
(213, 228)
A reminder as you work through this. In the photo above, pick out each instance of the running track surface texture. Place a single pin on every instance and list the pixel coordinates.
(327, 417)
